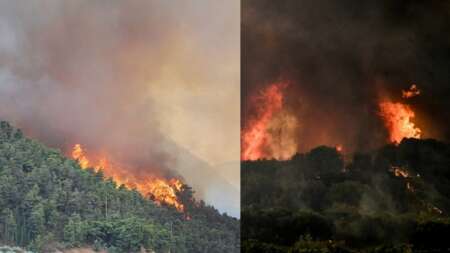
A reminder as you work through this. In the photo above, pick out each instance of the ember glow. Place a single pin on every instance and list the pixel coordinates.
(400, 172)
(268, 133)
(403, 173)
(397, 119)
(412, 92)
(162, 191)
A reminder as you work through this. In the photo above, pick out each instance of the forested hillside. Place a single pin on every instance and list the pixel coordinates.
(48, 202)
(395, 199)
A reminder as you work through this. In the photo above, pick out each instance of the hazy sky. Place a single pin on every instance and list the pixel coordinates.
(126, 75)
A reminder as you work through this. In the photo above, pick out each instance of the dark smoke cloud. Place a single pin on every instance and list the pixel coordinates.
(109, 74)
(341, 57)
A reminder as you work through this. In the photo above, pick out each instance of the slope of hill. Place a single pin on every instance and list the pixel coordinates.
(47, 203)
(209, 184)
(395, 199)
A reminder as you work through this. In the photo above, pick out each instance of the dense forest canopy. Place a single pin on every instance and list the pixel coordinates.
(394, 199)
(47, 202)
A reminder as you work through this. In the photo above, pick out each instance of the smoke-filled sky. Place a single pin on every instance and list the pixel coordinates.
(140, 80)
(342, 57)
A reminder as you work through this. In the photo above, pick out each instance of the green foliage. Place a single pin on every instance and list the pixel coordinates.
(254, 246)
(348, 192)
(361, 203)
(47, 201)
(401, 248)
(306, 244)
(283, 226)
(8, 249)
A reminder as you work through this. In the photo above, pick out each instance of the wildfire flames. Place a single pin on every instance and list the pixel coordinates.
(412, 92)
(398, 120)
(270, 130)
(78, 154)
(162, 191)
(269, 133)
(409, 179)
(398, 117)
(401, 172)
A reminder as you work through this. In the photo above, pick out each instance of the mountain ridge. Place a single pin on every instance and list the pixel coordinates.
(49, 203)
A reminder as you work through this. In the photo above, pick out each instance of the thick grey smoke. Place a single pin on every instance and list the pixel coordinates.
(341, 57)
(126, 78)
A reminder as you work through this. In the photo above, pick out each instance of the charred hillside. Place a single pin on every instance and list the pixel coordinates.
(394, 198)
(48, 202)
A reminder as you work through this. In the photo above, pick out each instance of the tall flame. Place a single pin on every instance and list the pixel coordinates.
(264, 132)
(162, 191)
(78, 154)
(398, 120)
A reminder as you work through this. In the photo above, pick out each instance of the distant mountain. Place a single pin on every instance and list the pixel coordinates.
(211, 185)
(231, 171)
(48, 203)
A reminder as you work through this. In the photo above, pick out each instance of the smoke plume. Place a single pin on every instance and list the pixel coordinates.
(139, 80)
(341, 58)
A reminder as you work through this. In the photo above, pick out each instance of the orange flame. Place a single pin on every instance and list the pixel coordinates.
(397, 119)
(412, 92)
(162, 191)
(401, 172)
(263, 133)
(78, 154)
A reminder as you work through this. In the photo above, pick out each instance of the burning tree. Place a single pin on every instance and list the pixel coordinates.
(159, 189)
(49, 203)
(270, 131)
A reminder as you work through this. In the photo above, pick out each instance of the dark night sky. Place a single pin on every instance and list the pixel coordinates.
(342, 56)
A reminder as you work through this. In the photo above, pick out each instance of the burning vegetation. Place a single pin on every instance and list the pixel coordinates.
(318, 195)
(49, 204)
(400, 172)
(270, 129)
(269, 133)
(411, 92)
(369, 87)
(161, 190)
(403, 173)
(397, 119)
